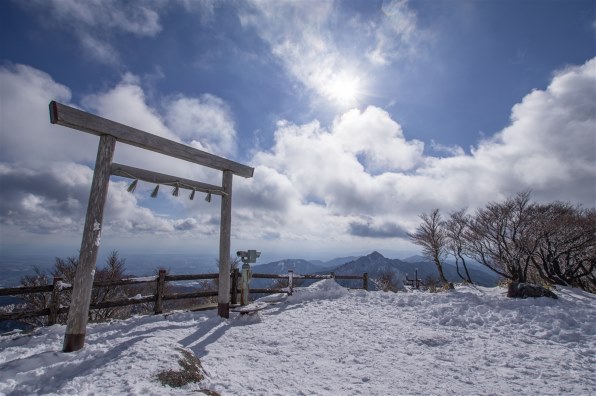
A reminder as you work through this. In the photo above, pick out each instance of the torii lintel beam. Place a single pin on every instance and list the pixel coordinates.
(77, 119)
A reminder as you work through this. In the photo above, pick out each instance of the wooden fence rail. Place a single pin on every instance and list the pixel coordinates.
(54, 308)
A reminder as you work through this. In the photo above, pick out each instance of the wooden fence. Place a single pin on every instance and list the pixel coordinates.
(54, 308)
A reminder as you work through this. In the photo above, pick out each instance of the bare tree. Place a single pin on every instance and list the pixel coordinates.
(455, 228)
(431, 236)
(500, 236)
(566, 253)
(520, 240)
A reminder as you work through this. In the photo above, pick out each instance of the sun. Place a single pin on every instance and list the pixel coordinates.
(343, 89)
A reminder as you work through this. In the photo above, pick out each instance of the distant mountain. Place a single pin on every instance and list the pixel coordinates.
(472, 265)
(376, 264)
(428, 268)
(299, 266)
(415, 259)
(336, 262)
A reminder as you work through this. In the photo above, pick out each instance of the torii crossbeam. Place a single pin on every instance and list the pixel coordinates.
(109, 133)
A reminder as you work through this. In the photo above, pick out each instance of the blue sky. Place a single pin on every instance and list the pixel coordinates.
(357, 116)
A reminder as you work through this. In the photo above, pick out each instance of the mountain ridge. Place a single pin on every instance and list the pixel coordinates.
(376, 265)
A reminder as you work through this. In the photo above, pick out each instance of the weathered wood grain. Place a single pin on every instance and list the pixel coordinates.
(158, 308)
(225, 232)
(76, 326)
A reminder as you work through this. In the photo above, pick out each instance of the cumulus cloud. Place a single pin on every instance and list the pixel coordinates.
(46, 170)
(364, 178)
(54, 199)
(359, 178)
(378, 138)
(126, 103)
(205, 123)
(47, 200)
(27, 134)
(25, 128)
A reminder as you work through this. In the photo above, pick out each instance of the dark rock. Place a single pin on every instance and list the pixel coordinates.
(525, 290)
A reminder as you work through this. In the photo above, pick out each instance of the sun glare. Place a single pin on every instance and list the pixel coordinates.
(343, 89)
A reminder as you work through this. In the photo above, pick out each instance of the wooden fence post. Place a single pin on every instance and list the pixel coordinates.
(161, 280)
(365, 281)
(245, 287)
(54, 302)
(78, 314)
(235, 286)
(291, 281)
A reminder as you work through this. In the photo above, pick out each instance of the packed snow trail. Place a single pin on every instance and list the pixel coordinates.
(325, 340)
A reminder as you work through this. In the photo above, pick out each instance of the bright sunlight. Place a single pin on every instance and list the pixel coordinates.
(343, 89)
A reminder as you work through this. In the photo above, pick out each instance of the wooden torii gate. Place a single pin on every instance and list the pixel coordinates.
(109, 132)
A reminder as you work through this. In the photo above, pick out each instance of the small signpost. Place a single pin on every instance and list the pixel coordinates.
(414, 282)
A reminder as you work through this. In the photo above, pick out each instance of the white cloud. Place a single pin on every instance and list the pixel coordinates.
(45, 169)
(375, 135)
(126, 103)
(396, 35)
(299, 37)
(99, 49)
(135, 18)
(95, 22)
(454, 150)
(356, 180)
(25, 130)
(322, 182)
(306, 39)
(204, 122)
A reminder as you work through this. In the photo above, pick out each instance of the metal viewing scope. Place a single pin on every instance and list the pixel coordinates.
(249, 256)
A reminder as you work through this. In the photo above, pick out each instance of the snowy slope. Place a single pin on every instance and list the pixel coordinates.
(326, 340)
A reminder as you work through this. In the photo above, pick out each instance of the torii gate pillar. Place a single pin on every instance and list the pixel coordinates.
(76, 324)
(223, 299)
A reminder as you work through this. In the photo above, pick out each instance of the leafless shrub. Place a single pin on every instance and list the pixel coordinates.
(35, 301)
(431, 284)
(431, 236)
(386, 281)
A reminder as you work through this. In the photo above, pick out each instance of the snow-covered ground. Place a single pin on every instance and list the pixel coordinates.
(326, 340)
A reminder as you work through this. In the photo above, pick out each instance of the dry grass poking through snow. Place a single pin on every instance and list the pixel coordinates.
(192, 372)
